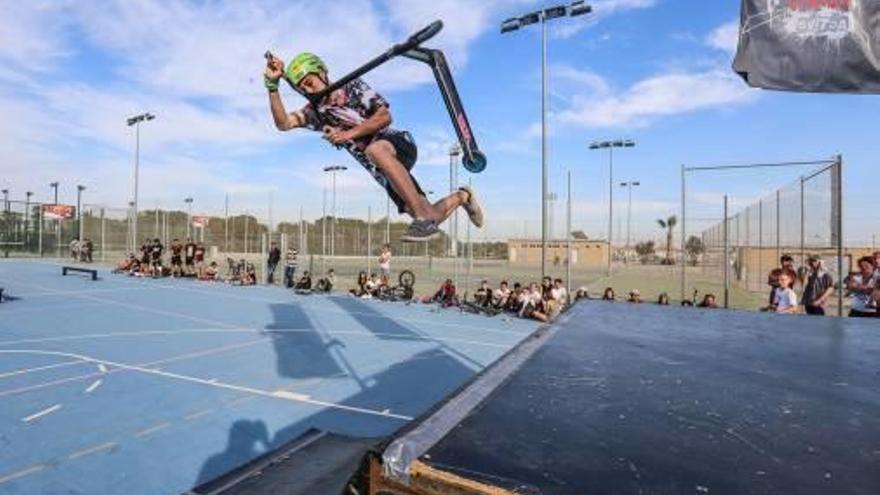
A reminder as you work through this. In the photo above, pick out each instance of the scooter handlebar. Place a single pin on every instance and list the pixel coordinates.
(420, 37)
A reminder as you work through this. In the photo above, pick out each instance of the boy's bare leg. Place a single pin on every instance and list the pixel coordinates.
(382, 154)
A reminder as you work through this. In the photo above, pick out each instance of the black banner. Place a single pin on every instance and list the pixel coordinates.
(824, 46)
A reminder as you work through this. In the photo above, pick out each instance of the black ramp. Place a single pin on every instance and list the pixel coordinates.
(641, 399)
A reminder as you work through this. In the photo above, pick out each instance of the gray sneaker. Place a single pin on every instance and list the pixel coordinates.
(472, 207)
(421, 231)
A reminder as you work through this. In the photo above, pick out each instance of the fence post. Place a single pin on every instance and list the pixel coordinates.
(837, 220)
(264, 247)
(778, 233)
(40, 230)
(683, 233)
(726, 234)
(803, 243)
(103, 236)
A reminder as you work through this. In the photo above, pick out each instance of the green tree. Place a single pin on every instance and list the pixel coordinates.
(645, 250)
(694, 248)
(668, 224)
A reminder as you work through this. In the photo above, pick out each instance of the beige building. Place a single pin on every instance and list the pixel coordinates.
(584, 253)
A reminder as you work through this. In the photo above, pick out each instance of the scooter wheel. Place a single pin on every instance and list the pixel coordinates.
(475, 166)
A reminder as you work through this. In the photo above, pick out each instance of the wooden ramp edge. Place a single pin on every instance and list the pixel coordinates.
(426, 480)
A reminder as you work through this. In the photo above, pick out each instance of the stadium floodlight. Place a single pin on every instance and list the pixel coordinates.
(513, 24)
(611, 144)
(136, 121)
(554, 12)
(509, 25)
(530, 18)
(580, 8)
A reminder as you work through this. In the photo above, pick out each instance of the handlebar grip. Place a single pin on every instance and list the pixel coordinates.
(425, 34)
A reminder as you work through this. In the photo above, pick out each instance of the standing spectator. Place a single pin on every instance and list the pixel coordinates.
(785, 299)
(818, 287)
(146, 249)
(385, 263)
(290, 267)
(156, 258)
(189, 254)
(176, 259)
(74, 249)
(272, 262)
(861, 287)
(89, 248)
(199, 260)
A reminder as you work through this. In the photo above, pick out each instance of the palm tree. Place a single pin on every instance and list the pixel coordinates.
(669, 225)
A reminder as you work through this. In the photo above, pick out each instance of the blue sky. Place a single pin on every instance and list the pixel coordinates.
(656, 71)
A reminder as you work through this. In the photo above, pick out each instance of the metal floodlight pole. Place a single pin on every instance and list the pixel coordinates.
(610, 145)
(629, 185)
(333, 169)
(726, 259)
(136, 122)
(79, 225)
(54, 186)
(454, 151)
(189, 202)
(513, 24)
(568, 238)
(27, 207)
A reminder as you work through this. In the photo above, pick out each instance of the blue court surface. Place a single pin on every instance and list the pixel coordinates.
(143, 386)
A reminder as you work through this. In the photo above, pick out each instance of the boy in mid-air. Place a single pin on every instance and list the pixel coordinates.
(356, 114)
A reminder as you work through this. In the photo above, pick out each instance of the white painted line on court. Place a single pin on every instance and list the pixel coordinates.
(24, 472)
(37, 415)
(93, 386)
(62, 381)
(152, 429)
(102, 368)
(91, 450)
(217, 384)
(284, 394)
(24, 371)
(198, 414)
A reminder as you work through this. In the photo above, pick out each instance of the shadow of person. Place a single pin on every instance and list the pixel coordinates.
(247, 440)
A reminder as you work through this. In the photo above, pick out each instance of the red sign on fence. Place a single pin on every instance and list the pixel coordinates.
(200, 221)
(58, 212)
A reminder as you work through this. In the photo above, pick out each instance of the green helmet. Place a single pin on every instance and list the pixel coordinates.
(302, 65)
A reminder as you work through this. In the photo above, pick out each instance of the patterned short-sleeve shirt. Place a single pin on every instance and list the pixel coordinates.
(346, 108)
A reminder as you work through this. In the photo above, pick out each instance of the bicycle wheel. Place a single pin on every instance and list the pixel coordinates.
(407, 279)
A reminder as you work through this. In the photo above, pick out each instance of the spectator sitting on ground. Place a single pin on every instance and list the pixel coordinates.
(361, 288)
(136, 268)
(608, 295)
(515, 300)
(534, 305)
(445, 295)
(861, 287)
(125, 264)
(74, 249)
(559, 298)
(248, 277)
(635, 296)
(211, 272)
(663, 300)
(582, 293)
(85, 250)
(708, 302)
(483, 295)
(326, 283)
(785, 299)
(546, 288)
(374, 285)
(500, 295)
(687, 303)
(305, 282)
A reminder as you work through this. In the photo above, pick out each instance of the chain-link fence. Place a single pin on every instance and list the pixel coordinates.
(798, 220)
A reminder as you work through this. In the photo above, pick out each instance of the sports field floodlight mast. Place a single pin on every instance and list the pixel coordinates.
(79, 227)
(189, 215)
(136, 122)
(610, 145)
(629, 185)
(54, 185)
(333, 169)
(513, 24)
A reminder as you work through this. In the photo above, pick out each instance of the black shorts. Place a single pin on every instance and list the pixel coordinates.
(407, 154)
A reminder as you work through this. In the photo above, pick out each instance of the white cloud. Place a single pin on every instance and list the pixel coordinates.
(724, 37)
(657, 96)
